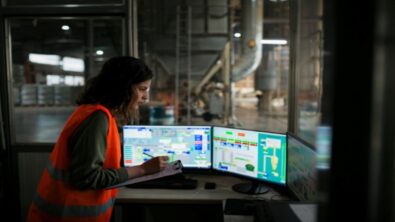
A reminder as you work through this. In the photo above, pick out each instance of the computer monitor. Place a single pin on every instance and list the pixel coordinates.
(301, 169)
(259, 156)
(190, 144)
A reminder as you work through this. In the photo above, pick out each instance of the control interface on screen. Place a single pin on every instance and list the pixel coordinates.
(249, 153)
(301, 171)
(190, 144)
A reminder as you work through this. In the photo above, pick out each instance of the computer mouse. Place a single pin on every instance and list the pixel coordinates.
(210, 185)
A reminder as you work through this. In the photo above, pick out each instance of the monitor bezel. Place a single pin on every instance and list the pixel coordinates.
(186, 169)
(289, 191)
(241, 176)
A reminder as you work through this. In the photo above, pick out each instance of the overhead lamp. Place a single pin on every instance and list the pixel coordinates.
(274, 41)
(237, 35)
(65, 27)
(73, 64)
(45, 59)
(99, 52)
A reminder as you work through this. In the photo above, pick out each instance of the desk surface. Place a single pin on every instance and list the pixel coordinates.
(199, 195)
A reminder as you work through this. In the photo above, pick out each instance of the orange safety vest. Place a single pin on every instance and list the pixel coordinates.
(56, 199)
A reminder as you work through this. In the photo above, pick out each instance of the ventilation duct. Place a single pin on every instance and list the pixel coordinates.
(251, 49)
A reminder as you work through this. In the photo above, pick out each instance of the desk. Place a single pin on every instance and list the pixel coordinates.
(198, 195)
(187, 201)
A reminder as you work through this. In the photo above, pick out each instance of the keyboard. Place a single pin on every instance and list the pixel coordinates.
(178, 181)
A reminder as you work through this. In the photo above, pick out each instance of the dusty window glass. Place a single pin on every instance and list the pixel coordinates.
(181, 41)
(309, 66)
(261, 100)
(187, 44)
(51, 61)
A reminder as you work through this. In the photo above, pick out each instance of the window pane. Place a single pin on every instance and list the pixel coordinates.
(195, 92)
(309, 68)
(168, 40)
(262, 98)
(51, 61)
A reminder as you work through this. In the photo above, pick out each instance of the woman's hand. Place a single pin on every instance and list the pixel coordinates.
(154, 165)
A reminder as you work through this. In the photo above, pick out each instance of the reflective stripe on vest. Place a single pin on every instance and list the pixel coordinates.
(57, 174)
(72, 211)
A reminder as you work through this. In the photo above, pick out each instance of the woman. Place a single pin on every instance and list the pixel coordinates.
(86, 158)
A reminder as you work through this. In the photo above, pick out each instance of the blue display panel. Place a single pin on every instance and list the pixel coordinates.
(302, 176)
(254, 154)
(190, 144)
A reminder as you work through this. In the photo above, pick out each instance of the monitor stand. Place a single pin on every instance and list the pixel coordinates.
(250, 188)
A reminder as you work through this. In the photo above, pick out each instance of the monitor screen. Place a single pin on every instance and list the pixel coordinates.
(301, 169)
(254, 154)
(190, 144)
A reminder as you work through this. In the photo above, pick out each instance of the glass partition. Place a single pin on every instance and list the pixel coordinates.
(51, 60)
(309, 66)
(190, 44)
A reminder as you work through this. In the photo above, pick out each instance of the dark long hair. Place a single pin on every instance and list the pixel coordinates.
(112, 87)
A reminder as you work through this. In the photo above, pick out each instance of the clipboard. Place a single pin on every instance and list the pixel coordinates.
(172, 168)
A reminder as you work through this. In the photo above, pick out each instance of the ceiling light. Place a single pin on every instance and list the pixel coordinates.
(73, 64)
(99, 52)
(274, 41)
(65, 27)
(45, 59)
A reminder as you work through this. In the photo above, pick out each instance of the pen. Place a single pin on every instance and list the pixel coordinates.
(149, 155)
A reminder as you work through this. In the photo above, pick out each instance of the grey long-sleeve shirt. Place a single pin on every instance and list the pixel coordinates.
(87, 148)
